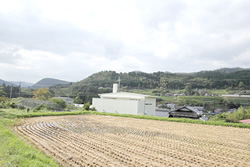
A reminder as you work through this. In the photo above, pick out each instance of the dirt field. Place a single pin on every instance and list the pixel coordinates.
(91, 140)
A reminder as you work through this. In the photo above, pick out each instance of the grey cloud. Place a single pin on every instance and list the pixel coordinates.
(56, 37)
(9, 55)
(158, 11)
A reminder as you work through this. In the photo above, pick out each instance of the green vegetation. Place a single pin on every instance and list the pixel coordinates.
(158, 83)
(78, 100)
(14, 151)
(42, 94)
(235, 117)
(9, 91)
(61, 103)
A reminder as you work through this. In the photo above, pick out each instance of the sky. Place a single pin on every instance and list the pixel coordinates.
(72, 39)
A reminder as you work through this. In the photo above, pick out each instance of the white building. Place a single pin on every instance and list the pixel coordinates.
(125, 103)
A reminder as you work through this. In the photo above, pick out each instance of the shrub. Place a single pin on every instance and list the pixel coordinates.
(238, 115)
(77, 100)
(60, 102)
(40, 107)
(12, 105)
(86, 106)
(70, 107)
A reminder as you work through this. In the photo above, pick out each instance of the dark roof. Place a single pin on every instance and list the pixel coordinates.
(191, 109)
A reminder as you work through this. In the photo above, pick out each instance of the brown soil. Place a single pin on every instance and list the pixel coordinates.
(92, 140)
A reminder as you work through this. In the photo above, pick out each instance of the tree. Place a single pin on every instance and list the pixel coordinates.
(188, 89)
(241, 85)
(60, 102)
(2, 92)
(42, 94)
(77, 100)
(86, 106)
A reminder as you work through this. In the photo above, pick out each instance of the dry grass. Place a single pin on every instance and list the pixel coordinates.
(94, 140)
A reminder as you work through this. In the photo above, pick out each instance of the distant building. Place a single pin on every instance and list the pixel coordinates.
(125, 103)
(186, 111)
(169, 94)
(171, 106)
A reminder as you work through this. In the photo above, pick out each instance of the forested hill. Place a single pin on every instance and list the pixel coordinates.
(204, 79)
(102, 82)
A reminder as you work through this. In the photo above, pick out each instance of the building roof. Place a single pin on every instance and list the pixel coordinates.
(246, 121)
(125, 95)
(191, 109)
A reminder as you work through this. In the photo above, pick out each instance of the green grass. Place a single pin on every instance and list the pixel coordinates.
(15, 152)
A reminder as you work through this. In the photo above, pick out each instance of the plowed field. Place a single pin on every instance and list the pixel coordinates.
(92, 140)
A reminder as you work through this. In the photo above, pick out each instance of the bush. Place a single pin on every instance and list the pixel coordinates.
(86, 106)
(70, 107)
(238, 115)
(12, 105)
(60, 102)
(40, 107)
(77, 100)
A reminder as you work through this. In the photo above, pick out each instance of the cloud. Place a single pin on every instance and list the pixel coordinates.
(60, 38)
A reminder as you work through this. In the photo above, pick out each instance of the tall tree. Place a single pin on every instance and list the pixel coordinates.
(42, 94)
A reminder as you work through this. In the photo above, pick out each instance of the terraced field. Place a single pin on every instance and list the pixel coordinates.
(94, 140)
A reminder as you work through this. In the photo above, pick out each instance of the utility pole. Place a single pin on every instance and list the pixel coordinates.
(11, 91)
(119, 84)
(20, 86)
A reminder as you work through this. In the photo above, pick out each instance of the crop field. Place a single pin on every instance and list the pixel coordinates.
(94, 140)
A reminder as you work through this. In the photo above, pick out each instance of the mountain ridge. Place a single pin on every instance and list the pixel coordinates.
(47, 82)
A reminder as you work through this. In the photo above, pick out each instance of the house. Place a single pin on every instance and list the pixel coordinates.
(171, 106)
(125, 103)
(169, 94)
(186, 111)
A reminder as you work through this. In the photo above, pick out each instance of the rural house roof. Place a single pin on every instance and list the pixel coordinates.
(191, 109)
(125, 95)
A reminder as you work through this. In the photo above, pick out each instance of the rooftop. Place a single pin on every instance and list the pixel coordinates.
(125, 95)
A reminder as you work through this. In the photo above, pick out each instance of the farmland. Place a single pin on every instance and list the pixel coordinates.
(95, 140)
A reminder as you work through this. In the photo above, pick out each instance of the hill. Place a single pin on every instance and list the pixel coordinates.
(230, 70)
(23, 84)
(102, 82)
(47, 82)
(7, 83)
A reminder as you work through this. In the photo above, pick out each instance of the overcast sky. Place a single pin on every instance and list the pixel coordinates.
(72, 39)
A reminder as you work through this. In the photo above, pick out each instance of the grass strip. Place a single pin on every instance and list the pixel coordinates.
(14, 151)
(183, 120)
(21, 114)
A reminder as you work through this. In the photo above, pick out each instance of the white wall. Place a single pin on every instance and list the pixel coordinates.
(150, 104)
(116, 106)
(124, 106)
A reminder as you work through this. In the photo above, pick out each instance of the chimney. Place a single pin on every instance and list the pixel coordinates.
(115, 88)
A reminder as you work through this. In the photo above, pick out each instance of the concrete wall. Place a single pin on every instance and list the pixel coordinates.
(150, 104)
(116, 106)
(141, 107)
(122, 106)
